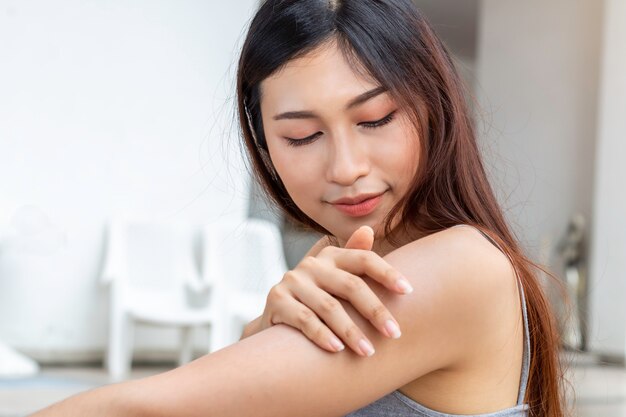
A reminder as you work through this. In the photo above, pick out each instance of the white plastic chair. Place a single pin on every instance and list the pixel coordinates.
(244, 260)
(152, 278)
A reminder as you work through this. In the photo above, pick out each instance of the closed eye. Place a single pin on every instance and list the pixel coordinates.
(380, 122)
(368, 125)
(303, 141)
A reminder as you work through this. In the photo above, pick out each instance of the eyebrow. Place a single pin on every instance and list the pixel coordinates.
(307, 114)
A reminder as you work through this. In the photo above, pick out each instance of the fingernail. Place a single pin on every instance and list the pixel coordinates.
(370, 230)
(392, 329)
(336, 344)
(366, 348)
(403, 285)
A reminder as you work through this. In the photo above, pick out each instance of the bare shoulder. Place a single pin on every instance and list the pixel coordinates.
(466, 276)
(462, 255)
(280, 372)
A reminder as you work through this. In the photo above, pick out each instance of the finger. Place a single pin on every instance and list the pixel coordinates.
(305, 320)
(364, 262)
(335, 317)
(336, 282)
(362, 238)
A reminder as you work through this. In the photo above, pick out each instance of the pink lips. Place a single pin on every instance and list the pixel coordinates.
(362, 208)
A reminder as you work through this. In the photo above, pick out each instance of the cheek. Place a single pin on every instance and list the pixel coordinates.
(399, 155)
(301, 179)
(410, 144)
(295, 172)
(411, 156)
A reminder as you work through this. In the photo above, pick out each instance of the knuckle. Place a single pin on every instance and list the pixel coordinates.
(367, 260)
(353, 283)
(378, 310)
(291, 277)
(390, 273)
(319, 332)
(352, 332)
(308, 262)
(364, 256)
(304, 316)
(328, 250)
(329, 304)
(275, 293)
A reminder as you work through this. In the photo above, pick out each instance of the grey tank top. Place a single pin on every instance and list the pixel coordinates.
(396, 404)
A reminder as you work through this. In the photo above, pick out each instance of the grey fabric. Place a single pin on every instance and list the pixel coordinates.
(397, 404)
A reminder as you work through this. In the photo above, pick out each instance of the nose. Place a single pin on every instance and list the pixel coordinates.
(348, 159)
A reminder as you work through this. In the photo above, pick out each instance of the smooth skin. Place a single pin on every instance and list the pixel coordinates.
(462, 332)
(327, 270)
(463, 286)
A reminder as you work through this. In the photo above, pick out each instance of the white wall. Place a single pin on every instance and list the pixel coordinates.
(108, 107)
(608, 266)
(537, 72)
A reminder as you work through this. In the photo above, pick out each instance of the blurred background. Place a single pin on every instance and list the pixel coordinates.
(118, 135)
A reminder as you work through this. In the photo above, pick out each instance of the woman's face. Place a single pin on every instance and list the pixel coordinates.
(333, 135)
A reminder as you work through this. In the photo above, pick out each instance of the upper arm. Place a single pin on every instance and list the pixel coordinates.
(279, 372)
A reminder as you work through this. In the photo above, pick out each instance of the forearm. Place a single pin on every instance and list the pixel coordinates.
(120, 400)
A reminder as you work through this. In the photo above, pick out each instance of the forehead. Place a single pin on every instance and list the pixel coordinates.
(320, 76)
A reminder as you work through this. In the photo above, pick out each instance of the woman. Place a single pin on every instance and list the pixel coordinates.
(355, 123)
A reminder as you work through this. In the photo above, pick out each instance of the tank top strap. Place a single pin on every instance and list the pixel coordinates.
(526, 351)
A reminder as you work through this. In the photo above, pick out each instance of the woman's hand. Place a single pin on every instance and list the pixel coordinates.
(304, 299)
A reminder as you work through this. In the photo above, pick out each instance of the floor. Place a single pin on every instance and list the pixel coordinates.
(600, 388)
(20, 397)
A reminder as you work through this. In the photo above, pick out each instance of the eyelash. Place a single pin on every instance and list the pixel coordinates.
(368, 125)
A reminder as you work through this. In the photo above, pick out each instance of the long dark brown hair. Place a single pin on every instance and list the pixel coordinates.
(390, 41)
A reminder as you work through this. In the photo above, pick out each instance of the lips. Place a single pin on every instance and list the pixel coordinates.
(358, 206)
(357, 199)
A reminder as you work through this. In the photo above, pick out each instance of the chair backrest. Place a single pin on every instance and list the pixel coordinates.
(154, 256)
(246, 256)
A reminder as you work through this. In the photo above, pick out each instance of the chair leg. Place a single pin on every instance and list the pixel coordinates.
(221, 327)
(220, 333)
(119, 355)
(186, 350)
